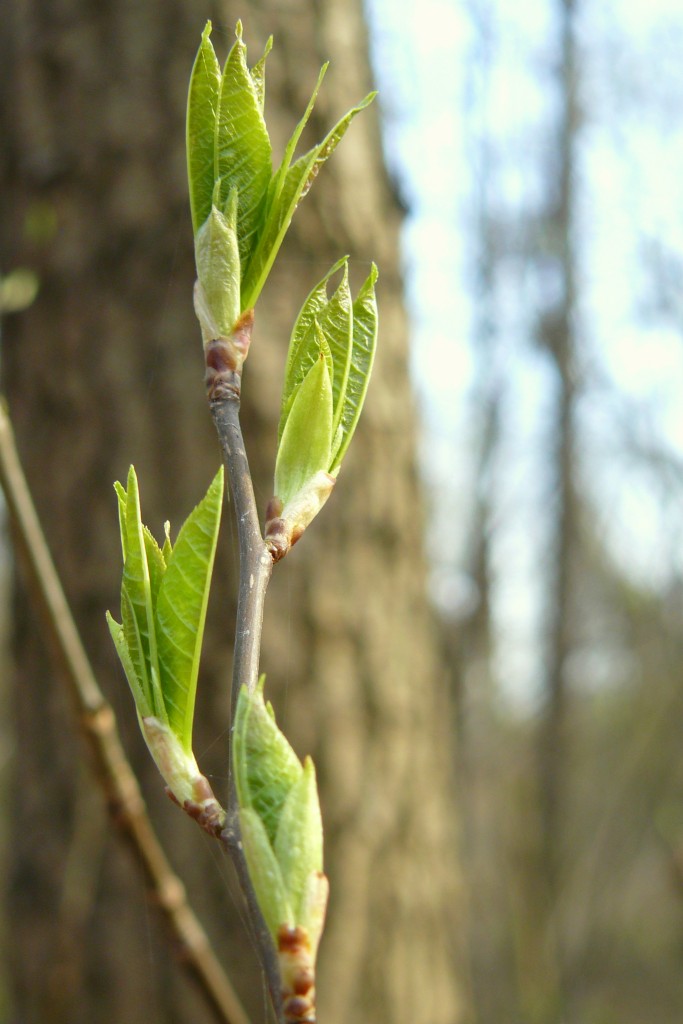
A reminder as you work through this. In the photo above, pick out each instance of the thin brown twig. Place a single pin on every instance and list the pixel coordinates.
(98, 724)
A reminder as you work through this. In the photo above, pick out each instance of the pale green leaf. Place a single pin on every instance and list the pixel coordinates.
(303, 345)
(360, 368)
(136, 582)
(284, 201)
(140, 694)
(306, 445)
(308, 354)
(202, 108)
(121, 497)
(264, 872)
(314, 905)
(290, 148)
(218, 266)
(265, 765)
(336, 323)
(139, 659)
(168, 547)
(258, 74)
(181, 609)
(326, 148)
(243, 158)
(299, 840)
(156, 563)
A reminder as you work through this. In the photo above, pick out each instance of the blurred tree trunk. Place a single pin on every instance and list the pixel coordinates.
(558, 336)
(105, 369)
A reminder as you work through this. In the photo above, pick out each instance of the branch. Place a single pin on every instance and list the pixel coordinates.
(256, 565)
(98, 724)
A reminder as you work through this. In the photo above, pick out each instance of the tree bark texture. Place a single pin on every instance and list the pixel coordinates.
(106, 369)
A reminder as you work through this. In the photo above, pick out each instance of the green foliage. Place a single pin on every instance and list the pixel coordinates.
(306, 445)
(217, 293)
(202, 109)
(329, 362)
(229, 151)
(164, 596)
(280, 819)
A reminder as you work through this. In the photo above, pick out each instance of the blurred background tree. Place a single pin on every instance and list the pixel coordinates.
(547, 350)
(105, 369)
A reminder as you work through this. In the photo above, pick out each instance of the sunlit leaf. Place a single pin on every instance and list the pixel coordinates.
(242, 151)
(336, 323)
(202, 107)
(360, 367)
(258, 74)
(284, 201)
(299, 839)
(135, 676)
(136, 592)
(306, 444)
(216, 248)
(181, 609)
(304, 345)
(156, 563)
(265, 872)
(290, 148)
(265, 765)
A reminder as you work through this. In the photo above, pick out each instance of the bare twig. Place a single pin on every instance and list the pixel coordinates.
(98, 724)
(256, 566)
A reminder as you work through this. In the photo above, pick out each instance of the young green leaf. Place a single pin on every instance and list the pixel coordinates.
(265, 765)
(134, 674)
(202, 107)
(147, 682)
(284, 201)
(243, 159)
(181, 609)
(314, 343)
(313, 908)
(281, 173)
(336, 323)
(137, 609)
(299, 839)
(304, 346)
(265, 873)
(121, 496)
(156, 564)
(217, 292)
(258, 74)
(322, 152)
(306, 445)
(360, 367)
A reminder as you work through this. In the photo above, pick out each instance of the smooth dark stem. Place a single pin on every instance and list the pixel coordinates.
(256, 566)
(256, 562)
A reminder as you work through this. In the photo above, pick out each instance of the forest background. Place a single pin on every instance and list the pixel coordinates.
(496, 721)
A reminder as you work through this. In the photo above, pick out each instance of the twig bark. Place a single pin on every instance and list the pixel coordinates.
(98, 724)
(256, 565)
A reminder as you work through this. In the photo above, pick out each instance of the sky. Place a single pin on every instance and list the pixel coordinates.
(452, 74)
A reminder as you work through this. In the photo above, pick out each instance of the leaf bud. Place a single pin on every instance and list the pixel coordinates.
(217, 289)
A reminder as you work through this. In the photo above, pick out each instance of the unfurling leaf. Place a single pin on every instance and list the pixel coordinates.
(328, 368)
(164, 595)
(280, 819)
(217, 291)
(306, 443)
(243, 159)
(228, 148)
(202, 109)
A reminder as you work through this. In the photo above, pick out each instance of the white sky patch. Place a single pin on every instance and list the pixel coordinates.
(447, 82)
